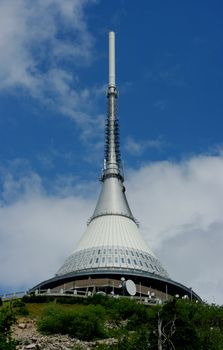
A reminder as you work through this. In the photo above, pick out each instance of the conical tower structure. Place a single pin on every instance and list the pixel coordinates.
(112, 256)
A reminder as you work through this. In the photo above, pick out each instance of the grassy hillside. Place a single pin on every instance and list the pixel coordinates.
(178, 324)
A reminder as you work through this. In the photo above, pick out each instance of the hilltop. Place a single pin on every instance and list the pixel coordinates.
(106, 323)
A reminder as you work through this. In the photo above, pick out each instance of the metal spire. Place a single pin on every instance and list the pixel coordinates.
(112, 199)
(112, 161)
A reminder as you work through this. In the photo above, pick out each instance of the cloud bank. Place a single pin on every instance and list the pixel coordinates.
(43, 44)
(179, 206)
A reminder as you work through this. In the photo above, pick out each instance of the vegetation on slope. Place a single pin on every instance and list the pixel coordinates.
(178, 324)
(7, 318)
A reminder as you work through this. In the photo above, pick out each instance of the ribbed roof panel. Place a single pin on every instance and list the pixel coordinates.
(113, 230)
(112, 241)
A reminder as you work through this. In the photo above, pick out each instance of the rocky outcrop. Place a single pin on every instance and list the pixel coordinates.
(28, 338)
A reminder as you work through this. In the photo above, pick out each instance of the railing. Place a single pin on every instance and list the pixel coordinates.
(76, 293)
(14, 295)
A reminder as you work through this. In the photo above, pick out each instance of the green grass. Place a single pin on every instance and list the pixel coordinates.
(36, 310)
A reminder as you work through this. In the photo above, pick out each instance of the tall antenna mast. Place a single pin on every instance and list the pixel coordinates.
(112, 160)
(111, 42)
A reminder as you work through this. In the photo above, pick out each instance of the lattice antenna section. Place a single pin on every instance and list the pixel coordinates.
(112, 160)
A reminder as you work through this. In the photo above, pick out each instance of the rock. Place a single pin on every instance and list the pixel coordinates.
(22, 325)
(28, 338)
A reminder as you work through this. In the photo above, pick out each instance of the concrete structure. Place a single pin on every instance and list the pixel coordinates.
(112, 250)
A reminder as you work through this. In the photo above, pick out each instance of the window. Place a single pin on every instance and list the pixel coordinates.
(103, 259)
(99, 251)
(129, 261)
(132, 253)
(116, 260)
(140, 262)
(135, 262)
(126, 252)
(90, 262)
(123, 260)
(137, 254)
(152, 266)
(146, 264)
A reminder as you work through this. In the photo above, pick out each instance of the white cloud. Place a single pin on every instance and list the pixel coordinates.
(37, 231)
(42, 44)
(30, 36)
(179, 206)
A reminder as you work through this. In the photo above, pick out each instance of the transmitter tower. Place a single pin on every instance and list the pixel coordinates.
(112, 257)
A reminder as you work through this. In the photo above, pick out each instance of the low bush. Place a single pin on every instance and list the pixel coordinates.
(69, 300)
(85, 324)
(123, 309)
(37, 298)
(19, 307)
(98, 299)
(18, 303)
(22, 311)
(7, 318)
(131, 341)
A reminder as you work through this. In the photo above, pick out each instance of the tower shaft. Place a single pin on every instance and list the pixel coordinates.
(112, 161)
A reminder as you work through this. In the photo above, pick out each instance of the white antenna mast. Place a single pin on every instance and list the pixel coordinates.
(111, 59)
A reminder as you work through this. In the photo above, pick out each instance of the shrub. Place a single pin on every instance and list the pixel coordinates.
(22, 311)
(18, 303)
(19, 307)
(37, 298)
(85, 324)
(7, 318)
(123, 309)
(69, 300)
(88, 323)
(97, 299)
(53, 320)
(133, 341)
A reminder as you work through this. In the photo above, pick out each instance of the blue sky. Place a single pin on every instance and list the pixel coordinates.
(169, 74)
(53, 76)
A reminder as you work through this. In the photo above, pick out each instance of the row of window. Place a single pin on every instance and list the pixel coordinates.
(111, 259)
(86, 259)
(121, 252)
